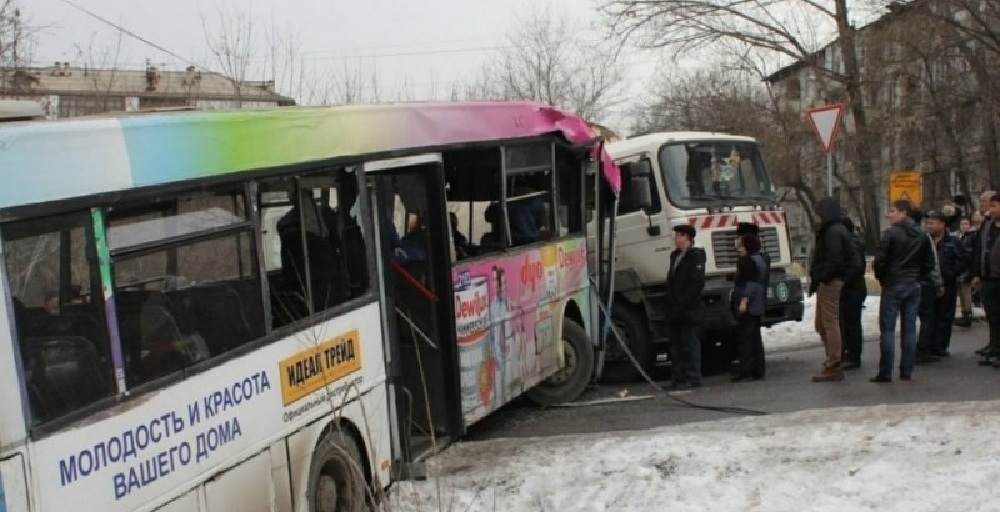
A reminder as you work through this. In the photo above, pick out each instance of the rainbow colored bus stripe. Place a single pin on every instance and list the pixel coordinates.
(47, 161)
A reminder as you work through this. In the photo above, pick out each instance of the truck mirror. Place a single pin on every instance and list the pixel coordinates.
(639, 195)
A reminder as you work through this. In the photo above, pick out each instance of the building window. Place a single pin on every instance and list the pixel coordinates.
(793, 88)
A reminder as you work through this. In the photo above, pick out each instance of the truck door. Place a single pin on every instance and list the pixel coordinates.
(643, 231)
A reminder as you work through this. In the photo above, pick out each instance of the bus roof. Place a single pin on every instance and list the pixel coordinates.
(49, 161)
(643, 142)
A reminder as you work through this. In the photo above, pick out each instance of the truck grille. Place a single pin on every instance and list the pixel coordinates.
(723, 245)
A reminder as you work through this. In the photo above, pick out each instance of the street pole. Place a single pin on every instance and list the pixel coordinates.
(829, 173)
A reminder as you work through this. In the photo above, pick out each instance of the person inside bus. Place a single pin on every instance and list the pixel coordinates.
(494, 239)
(527, 218)
(414, 242)
(462, 248)
(347, 236)
(322, 257)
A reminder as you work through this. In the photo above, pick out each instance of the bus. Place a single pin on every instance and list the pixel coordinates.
(284, 310)
(712, 181)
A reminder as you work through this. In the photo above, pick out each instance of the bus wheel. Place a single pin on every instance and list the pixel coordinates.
(336, 479)
(567, 384)
(632, 326)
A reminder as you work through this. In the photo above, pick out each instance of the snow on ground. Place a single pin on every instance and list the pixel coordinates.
(803, 334)
(918, 457)
(790, 335)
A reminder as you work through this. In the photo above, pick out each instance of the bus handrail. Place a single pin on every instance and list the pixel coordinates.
(414, 281)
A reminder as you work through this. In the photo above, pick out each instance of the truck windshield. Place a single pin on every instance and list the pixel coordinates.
(715, 173)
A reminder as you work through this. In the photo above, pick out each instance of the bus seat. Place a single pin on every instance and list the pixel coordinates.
(64, 374)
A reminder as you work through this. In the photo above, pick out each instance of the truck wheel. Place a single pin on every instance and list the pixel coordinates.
(568, 383)
(336, 478)
(632, 326)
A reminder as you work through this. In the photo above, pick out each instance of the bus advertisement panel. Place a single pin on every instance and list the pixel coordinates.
(144, 450)
(506, 312)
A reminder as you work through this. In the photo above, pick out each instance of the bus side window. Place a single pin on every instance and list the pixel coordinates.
(530, 204)
(314, 245)
(191, 291)
(58, 313)
(570, 212)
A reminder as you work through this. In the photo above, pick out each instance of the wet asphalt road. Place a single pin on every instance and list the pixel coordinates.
(787, 388)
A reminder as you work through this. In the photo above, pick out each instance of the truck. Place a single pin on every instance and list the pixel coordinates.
(712, 181)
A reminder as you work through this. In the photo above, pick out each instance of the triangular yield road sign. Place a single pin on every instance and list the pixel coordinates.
(826, 123)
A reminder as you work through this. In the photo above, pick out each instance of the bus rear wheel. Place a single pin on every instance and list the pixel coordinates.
(567, 384)
(336, 479)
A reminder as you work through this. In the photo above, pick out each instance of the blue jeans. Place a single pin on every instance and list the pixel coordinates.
(898, 300)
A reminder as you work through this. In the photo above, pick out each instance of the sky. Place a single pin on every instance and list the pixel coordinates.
(422, 46)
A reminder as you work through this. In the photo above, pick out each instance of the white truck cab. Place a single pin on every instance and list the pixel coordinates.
(712, 181)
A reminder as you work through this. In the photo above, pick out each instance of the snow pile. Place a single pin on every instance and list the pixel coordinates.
(792, 335)
(918, 457)
(789, 335)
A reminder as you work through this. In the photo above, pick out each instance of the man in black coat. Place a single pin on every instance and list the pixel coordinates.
(852, 301)
(685, 282)
(905, 258)
(831, 258)
(935, 328)
(986, 269)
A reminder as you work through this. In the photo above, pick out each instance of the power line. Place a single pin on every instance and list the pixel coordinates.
(129, 33)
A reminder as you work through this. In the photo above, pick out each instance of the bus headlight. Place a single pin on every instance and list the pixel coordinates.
(781, 290)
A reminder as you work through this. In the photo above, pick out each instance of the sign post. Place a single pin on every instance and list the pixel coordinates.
(826, 123)
(906, 186)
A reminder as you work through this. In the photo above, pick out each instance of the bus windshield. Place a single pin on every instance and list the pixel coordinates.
(702, 174)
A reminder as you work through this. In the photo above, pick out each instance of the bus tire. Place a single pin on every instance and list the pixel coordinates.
(336, 477)
(568, 383)
(632, 325)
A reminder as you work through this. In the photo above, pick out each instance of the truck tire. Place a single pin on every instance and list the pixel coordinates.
(568, 383)
(618, 367)
(336, 478)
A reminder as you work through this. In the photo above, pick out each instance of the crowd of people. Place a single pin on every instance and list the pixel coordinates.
(926, 264)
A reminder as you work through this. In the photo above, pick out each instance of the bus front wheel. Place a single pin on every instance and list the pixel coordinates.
(567, 384)
(336, 480)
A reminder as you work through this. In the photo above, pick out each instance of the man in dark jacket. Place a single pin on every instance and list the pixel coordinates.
(685, 282)
(852, 300)
(986, 269)
(831, 255)
(935, 328)
(904, 258)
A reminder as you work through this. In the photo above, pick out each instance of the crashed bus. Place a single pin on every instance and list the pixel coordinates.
(284, 309)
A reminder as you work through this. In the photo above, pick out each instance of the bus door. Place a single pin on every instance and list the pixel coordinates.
(409, 210)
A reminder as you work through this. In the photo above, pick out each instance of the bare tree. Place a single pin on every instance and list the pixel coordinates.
(231, 40)
(547, 59)
(782, 28)
(16, 42)
(101, 67)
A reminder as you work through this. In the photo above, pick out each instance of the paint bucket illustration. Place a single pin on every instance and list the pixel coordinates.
(472, 322)
(550, 262)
